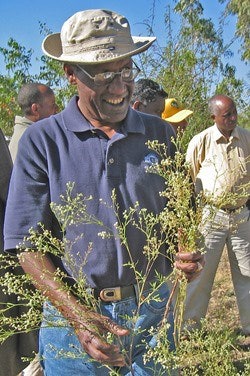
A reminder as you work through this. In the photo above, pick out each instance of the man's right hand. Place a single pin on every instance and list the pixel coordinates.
(91, 336)
(91, 327)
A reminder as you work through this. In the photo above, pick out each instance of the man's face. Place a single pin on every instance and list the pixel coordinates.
(47, 107)
(155, 107)
(225, 116)
(106, 103)
(181, 126)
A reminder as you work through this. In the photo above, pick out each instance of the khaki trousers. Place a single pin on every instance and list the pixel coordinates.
(33, 369)
(232, 230)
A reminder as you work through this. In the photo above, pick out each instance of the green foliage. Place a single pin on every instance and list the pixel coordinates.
(17, 60)
(179, 223)
(230, 85)
(208, 352)
(179, 210)
(18, 64)
(244, 117)
(8, 105)
(194, 64)
(241, 9)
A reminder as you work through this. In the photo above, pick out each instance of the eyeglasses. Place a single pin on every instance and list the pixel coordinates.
(127, 75)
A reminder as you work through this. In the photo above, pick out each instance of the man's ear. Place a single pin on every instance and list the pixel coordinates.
(69, 71)
(34, 113)
(34, 107)
(136, 105)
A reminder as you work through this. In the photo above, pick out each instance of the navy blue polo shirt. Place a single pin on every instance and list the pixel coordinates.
(67, 148)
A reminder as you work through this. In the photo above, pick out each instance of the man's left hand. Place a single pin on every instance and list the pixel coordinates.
(191, 264)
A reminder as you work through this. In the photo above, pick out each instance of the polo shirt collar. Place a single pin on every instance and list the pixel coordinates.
(22, 120)
(217, 135)
(74, 120)
(133, 122)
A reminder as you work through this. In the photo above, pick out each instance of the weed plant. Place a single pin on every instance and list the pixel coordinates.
(179, 226)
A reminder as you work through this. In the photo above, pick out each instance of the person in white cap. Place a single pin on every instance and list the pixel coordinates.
(100, 143)
(176, 115)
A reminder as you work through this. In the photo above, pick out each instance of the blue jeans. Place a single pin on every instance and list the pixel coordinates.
(56, 341)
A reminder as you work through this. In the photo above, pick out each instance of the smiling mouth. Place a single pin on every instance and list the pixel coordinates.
(114, 102)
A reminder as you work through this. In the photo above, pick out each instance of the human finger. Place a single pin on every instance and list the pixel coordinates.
(100, 350)
(105, 324)
(190, 269)
(189, 256)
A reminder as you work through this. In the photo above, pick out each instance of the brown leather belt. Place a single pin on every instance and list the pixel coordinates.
(112, 294)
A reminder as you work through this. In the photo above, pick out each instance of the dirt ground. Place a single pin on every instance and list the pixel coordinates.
(223, 301)
(223, 307)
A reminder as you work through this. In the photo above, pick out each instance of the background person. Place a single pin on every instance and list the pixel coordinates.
(148, 97)
(99, 143)
(176, 115)
(21, 345)
(10, 365)
(219, 159)
(37, 101)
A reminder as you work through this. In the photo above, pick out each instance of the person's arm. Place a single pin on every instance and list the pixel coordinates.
(193, 158)
(5, 168)
(88, 325)
(191, 263)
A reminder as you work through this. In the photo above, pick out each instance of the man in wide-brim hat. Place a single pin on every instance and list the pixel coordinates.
(99, 143)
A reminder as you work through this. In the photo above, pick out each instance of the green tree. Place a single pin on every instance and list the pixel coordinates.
(195, 62)
(192, 65)
(51, 72)
(18, 64)
(241, 9)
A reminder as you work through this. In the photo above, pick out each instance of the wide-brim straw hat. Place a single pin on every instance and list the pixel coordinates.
(94, 36)
(173, 112)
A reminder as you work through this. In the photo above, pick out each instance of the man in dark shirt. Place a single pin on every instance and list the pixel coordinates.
(99, 143)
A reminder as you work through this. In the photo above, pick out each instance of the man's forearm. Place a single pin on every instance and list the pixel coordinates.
(42, 271)
(89, 326)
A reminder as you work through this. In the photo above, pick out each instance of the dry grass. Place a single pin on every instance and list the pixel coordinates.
(223, 304)
(214, 350)
(223, 308)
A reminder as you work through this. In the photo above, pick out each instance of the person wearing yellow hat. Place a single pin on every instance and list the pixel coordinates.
(175, 114)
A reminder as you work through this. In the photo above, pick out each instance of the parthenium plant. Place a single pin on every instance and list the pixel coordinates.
(181, 220)
(178, 225)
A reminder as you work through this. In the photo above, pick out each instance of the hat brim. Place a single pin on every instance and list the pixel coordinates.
(52, 47)
(179, 116)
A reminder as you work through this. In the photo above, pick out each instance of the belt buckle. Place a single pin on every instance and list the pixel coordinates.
(111, 294)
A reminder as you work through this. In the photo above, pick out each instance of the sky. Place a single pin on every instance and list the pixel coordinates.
(20, 19)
